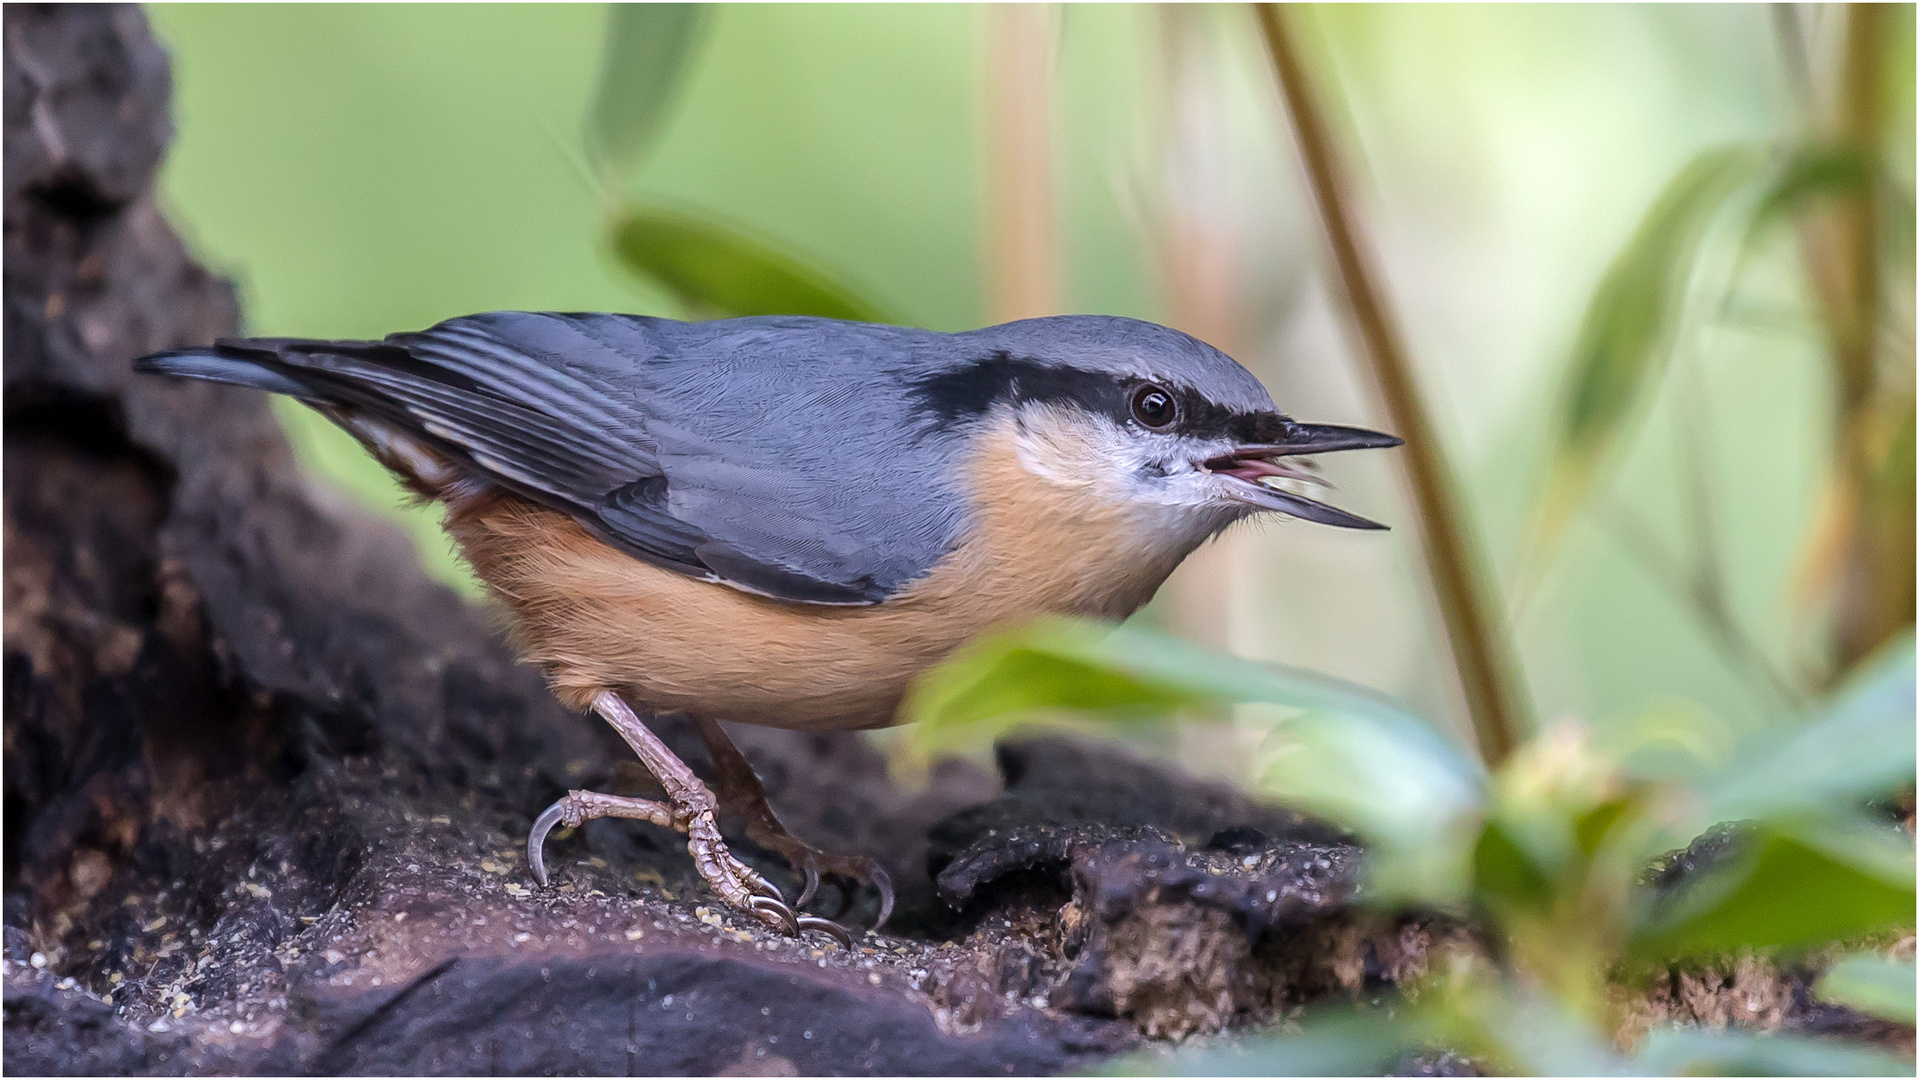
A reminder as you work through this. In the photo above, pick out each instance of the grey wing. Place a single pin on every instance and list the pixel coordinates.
(655, 435)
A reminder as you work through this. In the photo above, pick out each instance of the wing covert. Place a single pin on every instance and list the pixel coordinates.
(745, 451)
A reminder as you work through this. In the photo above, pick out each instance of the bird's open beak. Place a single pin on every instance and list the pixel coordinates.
(1254, 464)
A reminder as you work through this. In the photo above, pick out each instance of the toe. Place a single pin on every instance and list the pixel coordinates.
(827, 926)
(536, 839)
(776, 914)
(811, 868)
(884, 883)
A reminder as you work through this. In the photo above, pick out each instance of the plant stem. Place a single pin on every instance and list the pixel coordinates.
(1482, 649)
(1700, 590)
(1022, 255)
(1876, 588)
(1870, 524)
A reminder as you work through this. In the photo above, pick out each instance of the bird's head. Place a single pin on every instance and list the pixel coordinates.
(1145, 415)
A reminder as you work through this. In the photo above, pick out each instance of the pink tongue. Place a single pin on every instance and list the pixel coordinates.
(1256, 469)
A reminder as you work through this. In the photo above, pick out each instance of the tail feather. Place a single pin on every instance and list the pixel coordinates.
(274, 365)
(225, 364)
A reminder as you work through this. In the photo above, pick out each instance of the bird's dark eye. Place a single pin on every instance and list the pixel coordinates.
(1154, 407)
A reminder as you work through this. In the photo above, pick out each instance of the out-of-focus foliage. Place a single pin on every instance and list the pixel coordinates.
(1635, 320)
(1789, 885)
(1839, 178)
(1851, 753)
(715, 270)
(648, 50)
(1510, 1032)
(1343, 751)
(1873, 985)
(722, 272)
(1551, 850)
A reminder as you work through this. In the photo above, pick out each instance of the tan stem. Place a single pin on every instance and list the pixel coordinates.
(1462, 583)
(1872, 499)
(1022, 254)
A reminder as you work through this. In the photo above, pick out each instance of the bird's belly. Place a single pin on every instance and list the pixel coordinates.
(594, 617)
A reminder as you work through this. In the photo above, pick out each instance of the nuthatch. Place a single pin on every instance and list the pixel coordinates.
(784, 520)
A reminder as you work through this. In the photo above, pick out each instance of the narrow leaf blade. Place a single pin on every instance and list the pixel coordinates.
(1792, 886)
(1874, 985)
(649, 49)
(1630, 323)
(726, 272)
(1693, 1052)
(1339, 750)
(1862, 745)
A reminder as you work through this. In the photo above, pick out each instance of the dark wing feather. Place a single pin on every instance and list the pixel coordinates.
(605, 418)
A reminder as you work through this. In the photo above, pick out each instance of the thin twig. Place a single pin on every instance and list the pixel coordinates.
(1702, 598)
(1704, 589)
(1482, 649)
(1022, 252)
(1703, 583)
(1870, 575)
(1875, 597)
(1794, 56)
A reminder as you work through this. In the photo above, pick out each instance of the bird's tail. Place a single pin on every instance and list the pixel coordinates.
(273, 365)
(229, 362)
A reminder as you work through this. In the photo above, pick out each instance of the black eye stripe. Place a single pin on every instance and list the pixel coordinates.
(1002, 378)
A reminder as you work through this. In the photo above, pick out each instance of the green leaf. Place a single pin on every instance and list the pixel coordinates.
(1042, 664)
(1875, 985)
(1692, 1052)
(1631, 323)
(1811, 172)
(1415, 799)
(1522, 1031)
(1012, 677)
(1329, 1043)
(1791, 885)
(724, 271)
(1337, 749)
(649, 48)
(1505, 875)
(1860, 746)
(1048, 664)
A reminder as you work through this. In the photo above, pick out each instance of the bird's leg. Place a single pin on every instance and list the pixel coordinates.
(742, 793)
(690, 809)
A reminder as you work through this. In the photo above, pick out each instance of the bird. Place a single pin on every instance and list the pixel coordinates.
(784, 520)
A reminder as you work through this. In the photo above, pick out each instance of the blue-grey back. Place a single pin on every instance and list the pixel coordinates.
(808, 459)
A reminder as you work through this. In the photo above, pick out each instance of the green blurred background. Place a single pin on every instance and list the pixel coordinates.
(362, 169)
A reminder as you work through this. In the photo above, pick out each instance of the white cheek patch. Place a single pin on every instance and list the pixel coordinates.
(1070, 448)
(1172, 501)
(1074, 449)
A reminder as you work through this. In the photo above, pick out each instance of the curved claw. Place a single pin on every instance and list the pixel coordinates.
(829, 927)
(811, 868)
(884, 883)
(762, 887)
(536, 839)
(766, 905)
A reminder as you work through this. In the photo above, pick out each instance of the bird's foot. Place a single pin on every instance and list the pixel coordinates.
(737, 883)
(742, 793)
(691, 810)
(851, 870)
